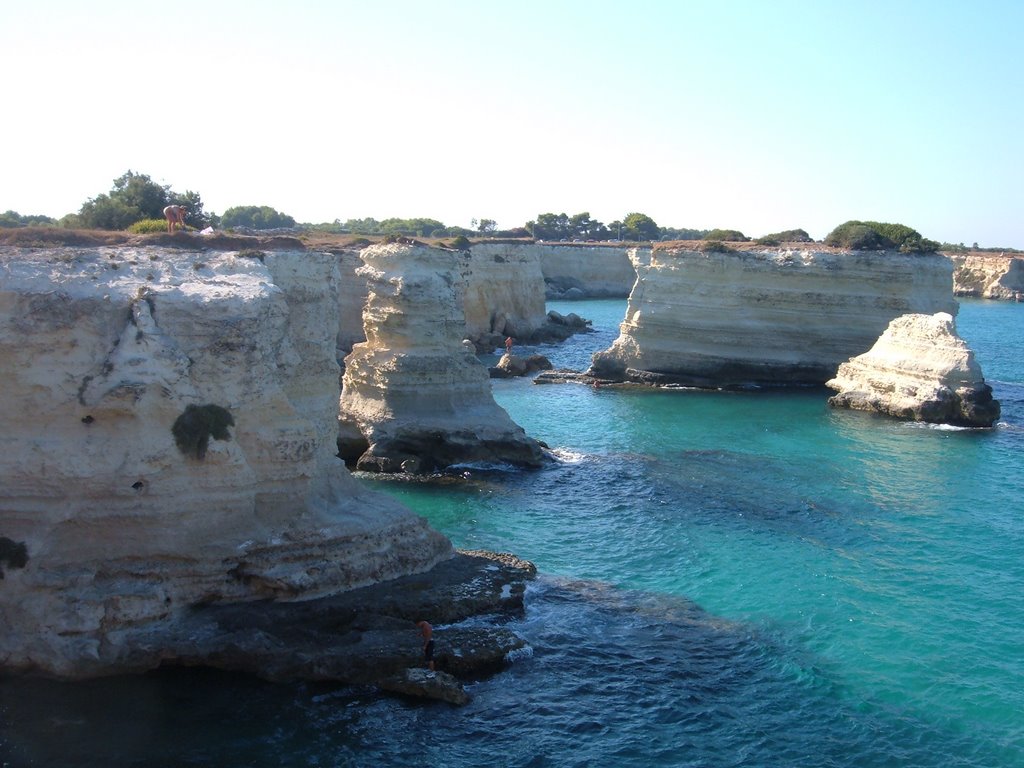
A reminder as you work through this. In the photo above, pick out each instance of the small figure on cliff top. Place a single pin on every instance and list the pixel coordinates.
(175, 214)
(508, 345)
(428, 643)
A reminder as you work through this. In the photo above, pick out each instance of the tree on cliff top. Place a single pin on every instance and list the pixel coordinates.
(879, 236)
(787, 236)
(134, 197)
(640, 226)
(255, 217)
(15, 219)
(726, 236)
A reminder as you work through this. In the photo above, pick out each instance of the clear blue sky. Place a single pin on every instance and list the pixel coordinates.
(758, 116)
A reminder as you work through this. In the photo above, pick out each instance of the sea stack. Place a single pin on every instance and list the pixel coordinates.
(504, 293)
(920, 370)
(169, 441)
(416, 392)
(709, 315)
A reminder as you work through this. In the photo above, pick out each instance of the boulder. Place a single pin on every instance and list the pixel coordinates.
(510, 366)
(921, 370)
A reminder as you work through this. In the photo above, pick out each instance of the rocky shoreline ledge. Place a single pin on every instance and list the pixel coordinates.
(365, 636)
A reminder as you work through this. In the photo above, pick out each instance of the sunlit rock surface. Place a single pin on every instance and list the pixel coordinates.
(110, 524)
(417, 394)
(757, 316)
(989, 275)
(581, 271)
(919, 369)
(504, 291)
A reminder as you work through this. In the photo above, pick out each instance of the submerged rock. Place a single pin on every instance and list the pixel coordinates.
(424, 684)
(919, 369)
(418, 395)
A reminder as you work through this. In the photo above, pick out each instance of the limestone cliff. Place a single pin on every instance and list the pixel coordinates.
(578, 271)
(757, 316)
(418, 395)
(504, 291)
(351, 299)
(919, 369)
(988, 275)
(168, 440)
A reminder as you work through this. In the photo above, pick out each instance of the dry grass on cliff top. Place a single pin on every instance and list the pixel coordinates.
(54, 237)
(743, 247)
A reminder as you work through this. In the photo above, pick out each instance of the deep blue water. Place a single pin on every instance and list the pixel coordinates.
(727, 579)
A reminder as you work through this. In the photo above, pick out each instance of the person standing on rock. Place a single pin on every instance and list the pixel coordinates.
(508, 345)
(428, 643)
(175, 214)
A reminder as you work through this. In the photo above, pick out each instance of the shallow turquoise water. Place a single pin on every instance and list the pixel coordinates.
(886, 555)
(727, 579)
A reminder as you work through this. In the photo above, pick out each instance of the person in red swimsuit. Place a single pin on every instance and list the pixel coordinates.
(428, 643)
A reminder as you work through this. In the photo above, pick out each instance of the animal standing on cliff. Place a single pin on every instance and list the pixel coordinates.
(175, 214)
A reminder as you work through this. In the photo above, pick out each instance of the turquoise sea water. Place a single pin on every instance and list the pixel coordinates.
(726, 579)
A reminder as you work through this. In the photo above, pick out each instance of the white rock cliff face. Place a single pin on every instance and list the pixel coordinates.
(595, 271)
(418, 395)
(988, 276)
(351, 300)
(504, 291)
(764, 316)
(919, 369)
(109, 528)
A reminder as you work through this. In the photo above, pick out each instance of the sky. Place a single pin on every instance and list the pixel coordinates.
(753, 115)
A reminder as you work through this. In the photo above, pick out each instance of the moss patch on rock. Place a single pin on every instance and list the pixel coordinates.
(12, 553)
(193, 429)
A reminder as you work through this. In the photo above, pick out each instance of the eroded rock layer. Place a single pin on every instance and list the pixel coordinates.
(351, 299)
(418, 395)
(919, 369)
(764, 317)
(988, 276)
(504, 292)
(579, 271)
(169, 440)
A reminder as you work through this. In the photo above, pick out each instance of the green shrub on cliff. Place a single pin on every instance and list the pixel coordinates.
(14, 219)
(727, 236)
(879, 236)
(148, 226)
(788, 236)
(714, 246)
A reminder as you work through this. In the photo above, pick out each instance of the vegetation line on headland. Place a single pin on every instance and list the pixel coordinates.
(136, 203)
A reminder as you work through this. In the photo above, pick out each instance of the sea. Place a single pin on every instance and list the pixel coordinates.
(725, 579)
